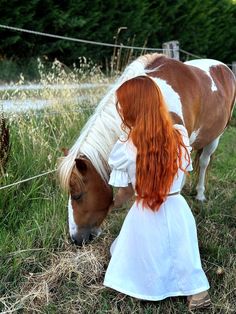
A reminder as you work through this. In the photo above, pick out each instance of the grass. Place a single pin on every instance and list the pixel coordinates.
(42, 272)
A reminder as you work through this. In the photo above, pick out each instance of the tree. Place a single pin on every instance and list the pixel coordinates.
(205, 28)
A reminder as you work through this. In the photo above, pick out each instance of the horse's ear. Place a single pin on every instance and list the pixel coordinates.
(81, 165)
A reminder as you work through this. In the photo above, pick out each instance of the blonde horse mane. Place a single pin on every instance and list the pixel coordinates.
(103, 128)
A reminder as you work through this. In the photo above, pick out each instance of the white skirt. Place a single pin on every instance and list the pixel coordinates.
(156, 254)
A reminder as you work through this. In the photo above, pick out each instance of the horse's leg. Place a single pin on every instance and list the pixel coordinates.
(183, 182)
(203, 164)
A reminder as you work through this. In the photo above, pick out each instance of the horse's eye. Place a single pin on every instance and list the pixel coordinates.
(77, 197)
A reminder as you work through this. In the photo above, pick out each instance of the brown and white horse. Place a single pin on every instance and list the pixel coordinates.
(200, 94)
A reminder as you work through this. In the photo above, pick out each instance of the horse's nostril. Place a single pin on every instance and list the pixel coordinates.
(77, 241)
(91, 237)
(84, 236)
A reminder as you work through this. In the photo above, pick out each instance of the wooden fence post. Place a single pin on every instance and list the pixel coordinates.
(171, 49)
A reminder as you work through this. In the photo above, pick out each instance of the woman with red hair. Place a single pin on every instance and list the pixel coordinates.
(156, 254)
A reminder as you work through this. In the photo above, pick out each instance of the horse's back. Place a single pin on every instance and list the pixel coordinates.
(218, 90)
(201, 92)
(178, 84)
(221, 77)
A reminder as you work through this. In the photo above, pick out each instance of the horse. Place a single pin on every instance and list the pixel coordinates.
(200, 94)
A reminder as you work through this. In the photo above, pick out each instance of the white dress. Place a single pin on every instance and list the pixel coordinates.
(156, 254)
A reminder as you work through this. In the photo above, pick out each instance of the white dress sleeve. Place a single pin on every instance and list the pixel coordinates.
(185, 137)
(118, 162)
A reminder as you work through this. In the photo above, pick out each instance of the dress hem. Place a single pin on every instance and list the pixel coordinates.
(157, 298)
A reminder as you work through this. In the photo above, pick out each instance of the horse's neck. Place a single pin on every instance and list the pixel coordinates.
(103, 128)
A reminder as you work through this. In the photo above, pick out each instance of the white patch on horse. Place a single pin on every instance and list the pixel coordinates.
(172, 98)
(205, 65)
(203, 163)
(72, 225)
(193, 136)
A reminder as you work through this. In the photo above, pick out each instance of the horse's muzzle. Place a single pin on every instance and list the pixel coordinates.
(85, 235)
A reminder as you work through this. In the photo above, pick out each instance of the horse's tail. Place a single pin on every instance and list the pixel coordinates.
(233, 102)
(232, 108)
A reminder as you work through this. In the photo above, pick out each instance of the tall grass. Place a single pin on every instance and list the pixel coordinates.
(40, 270)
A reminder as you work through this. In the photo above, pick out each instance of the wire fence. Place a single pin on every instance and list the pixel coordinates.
(79, 40)
(85, 41)
(28, 179)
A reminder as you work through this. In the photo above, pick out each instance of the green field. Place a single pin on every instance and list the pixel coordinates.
(42, 272)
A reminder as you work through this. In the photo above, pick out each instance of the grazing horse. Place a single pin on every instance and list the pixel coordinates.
(200, 94)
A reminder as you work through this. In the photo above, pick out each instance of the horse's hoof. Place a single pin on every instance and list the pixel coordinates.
(201, 198)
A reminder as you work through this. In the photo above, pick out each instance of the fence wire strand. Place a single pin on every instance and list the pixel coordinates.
(28, 179)
(18, 29)
(78, 39)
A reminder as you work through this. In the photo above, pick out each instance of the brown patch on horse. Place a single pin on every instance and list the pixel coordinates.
(216, 106)
(176, 119)
(225, 80)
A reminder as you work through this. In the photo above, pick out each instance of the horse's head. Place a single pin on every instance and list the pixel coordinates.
(90, 198)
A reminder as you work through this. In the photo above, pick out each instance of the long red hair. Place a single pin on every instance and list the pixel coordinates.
(159, 145)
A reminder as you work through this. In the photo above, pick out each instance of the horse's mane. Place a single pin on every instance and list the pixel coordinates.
(103, 128)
